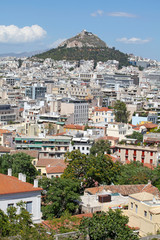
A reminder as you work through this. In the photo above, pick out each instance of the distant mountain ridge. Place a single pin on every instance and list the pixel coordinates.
(87, 46)
(22, 54)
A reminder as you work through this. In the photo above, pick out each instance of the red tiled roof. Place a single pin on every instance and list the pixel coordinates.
(73, 126)
(136, 128)
(43, 162)
(53, 226)
(151, 166)
(102, 109)
(149, 125)
(108, 138)
(32, 153)
(59, 168)
(114, 159)
(125, 189)
(11, 185)
(4, 131)
(60, 134)
(5, 149)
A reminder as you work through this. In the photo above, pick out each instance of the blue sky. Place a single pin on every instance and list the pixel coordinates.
(130, 26)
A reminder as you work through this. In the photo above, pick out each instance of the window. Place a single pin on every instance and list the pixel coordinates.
(151, 153)
(39, 170)
(82, 148)
(10, 205)
(74, 148)
(145, 213)
(136, 208)
(151, 161)
(150, 217)
(132, 205)
(29, 207)
(142, 160)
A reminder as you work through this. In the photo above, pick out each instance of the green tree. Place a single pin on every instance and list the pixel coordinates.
(77, 165)
(110, 225)
(101, 170)
(120, 111)
(61, 195)
(91, 170)
(136, 135)
(20, 163)
(134, 173)
(20, 226)
(100, 146)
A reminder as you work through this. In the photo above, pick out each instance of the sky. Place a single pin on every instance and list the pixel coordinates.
(37, 25)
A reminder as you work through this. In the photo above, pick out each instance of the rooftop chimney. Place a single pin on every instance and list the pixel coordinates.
(35, 183)
(20, 176)
(23, 177)
(9, 171)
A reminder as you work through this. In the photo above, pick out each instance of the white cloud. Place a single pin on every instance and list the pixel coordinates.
(97, 13)
(57, 42)
(133, 40)
(121, 14)
(113, 14)
(14, 34)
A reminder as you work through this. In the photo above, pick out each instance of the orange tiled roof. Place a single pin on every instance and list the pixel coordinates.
(102, 109)
(11, 185)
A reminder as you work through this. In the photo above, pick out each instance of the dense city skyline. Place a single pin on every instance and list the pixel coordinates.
(129, 26)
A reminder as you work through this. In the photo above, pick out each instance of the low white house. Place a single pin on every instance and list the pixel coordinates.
(119, 130)
(13, 190)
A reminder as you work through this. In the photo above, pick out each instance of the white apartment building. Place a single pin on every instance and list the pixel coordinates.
(119, 130)
(82, 144)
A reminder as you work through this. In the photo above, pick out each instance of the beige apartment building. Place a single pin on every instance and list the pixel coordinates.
(144, 213)
(102, 114)
(78, 109)
(149, 156)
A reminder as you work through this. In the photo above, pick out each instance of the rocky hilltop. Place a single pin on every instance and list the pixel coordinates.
(85, 46)
(84, 39)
